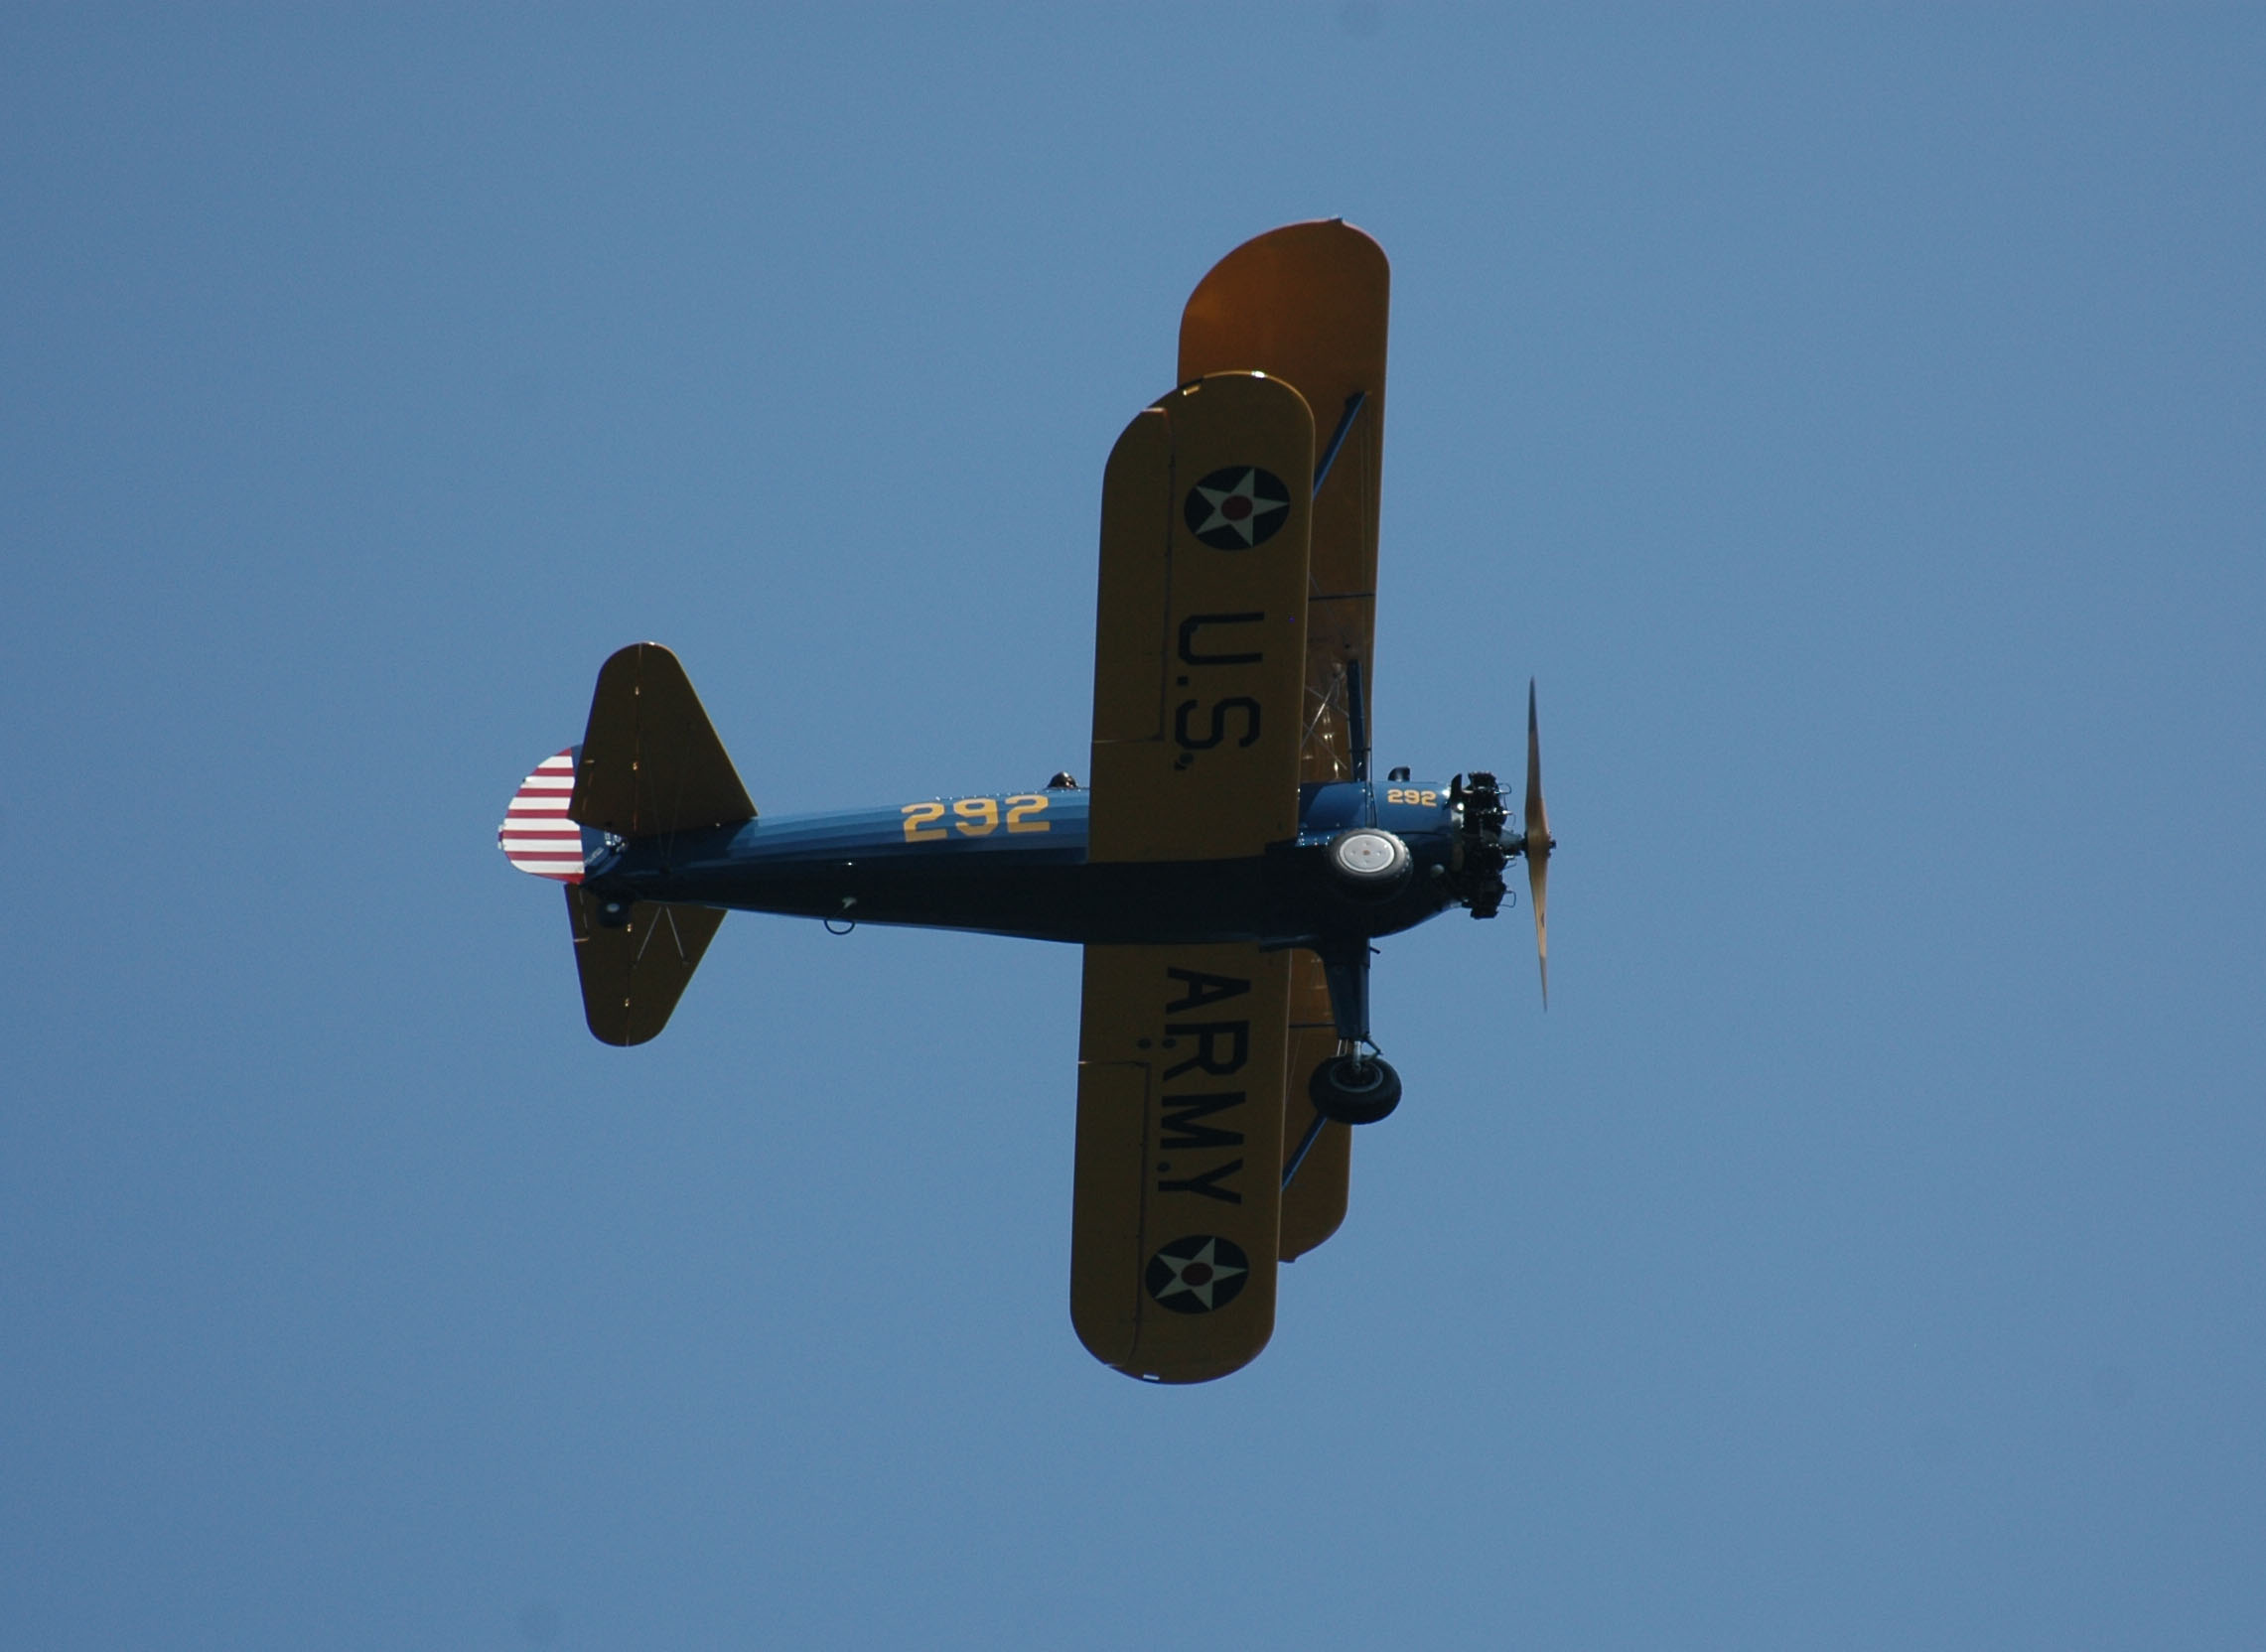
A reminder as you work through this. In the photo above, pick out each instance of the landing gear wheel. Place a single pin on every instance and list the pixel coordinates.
(1369, 864)
(1355, 1089)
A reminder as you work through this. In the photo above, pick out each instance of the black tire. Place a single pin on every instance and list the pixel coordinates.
(1352, 1089)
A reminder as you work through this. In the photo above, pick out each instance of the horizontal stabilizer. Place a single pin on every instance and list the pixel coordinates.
(633, 975)
(650, 761)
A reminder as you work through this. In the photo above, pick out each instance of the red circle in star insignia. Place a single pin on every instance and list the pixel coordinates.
(1197, 1274)
(1236, 508)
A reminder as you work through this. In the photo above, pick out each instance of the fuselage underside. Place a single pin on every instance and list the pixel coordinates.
(1016, 864)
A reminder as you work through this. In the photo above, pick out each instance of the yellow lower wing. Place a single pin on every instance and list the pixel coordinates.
(1200, 646)
(1179, 1151)
(1199, 663)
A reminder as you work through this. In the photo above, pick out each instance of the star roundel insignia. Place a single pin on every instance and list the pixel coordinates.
(1236, 508)
(1197, 1274)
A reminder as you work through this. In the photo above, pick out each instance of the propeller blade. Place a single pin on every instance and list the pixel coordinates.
(1539, 842)
(1538, 890)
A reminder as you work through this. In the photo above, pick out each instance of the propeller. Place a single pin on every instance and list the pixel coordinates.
(1485, 848)
(1539, 842)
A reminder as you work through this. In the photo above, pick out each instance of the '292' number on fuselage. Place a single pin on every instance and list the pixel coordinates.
(974, 817)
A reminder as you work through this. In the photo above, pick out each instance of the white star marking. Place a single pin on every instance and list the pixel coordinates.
(1208, 1274)
(1223, 500)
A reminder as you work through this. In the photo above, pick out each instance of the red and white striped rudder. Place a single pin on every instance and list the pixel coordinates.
(536, 836)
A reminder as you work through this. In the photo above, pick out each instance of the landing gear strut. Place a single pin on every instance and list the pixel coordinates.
(1356, 1086)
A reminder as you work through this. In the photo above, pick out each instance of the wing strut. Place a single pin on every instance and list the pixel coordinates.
(1338, 439)
(1305, 1146)
(1358, 728)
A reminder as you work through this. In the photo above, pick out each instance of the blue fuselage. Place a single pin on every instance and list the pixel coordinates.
(1015, 863)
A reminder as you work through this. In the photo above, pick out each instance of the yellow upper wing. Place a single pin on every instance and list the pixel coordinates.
(1313, 1204)
(1308, 303)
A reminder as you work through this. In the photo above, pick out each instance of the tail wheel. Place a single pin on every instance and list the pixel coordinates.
(1355, 1089)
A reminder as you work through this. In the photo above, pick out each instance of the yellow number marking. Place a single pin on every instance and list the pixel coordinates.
(977, 817)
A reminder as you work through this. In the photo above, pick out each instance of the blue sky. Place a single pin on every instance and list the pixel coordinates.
(1852, 417)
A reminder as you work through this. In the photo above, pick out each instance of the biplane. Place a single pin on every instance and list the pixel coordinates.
(1227, 867)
